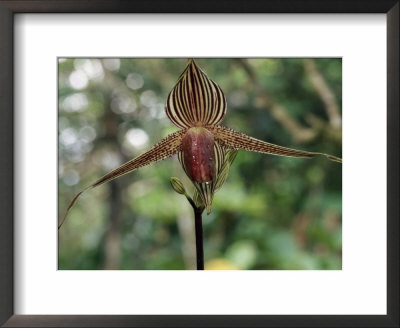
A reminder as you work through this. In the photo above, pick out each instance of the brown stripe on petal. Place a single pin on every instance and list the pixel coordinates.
(165, 148)
(206, 98)
(198, 201)
(221, 103)
(202, 92)
(174, 100)
(230, 156)
(195, 100)
(237, 140)
(180, 158)
(194, 87)
(207, 193)
(207, 190)
(199, 97)
(219, 152)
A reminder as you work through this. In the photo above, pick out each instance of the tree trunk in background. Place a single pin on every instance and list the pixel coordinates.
(186, 231)
(112, 249)
(112, 246)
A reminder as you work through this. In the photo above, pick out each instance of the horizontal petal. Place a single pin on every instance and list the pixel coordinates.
(237, 140)
(195, 100)
(165, 148)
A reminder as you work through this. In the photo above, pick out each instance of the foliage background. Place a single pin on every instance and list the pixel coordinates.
(273, 212)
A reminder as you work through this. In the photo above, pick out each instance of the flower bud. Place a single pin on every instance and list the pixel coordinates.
(177, 185)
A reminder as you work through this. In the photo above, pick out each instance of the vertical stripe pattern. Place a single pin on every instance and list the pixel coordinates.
(195, 100)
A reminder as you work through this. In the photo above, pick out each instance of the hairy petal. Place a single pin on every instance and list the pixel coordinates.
(165, 148)
(237, 140)
(195, 100)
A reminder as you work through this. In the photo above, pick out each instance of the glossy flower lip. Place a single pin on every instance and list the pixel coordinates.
(197, 105)
(198, 154)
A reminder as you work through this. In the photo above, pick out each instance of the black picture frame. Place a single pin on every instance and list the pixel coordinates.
(10, 7)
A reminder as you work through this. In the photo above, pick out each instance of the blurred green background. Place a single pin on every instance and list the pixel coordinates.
(272, 213)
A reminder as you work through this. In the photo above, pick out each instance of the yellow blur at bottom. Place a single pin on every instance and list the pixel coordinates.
(220, 264)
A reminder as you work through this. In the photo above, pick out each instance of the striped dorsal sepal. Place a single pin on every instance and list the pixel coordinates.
(195, 100)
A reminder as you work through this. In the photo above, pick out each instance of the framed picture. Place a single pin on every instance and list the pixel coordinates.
(122, 109)
(45, 282)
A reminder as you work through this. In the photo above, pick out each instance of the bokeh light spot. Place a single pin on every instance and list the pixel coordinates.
(134, 81)
(78, 80)
(76, 102)
(123, 104)
(112, 64)
(87, 133)
(68, 137)
(110, 160)
(91, 67)
(137, 138)
(148, 98)
(71, 177)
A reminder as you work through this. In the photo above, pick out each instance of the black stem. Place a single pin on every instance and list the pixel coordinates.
(199, 238)
(198, 224)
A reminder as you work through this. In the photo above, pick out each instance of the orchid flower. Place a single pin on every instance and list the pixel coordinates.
(205, 149)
